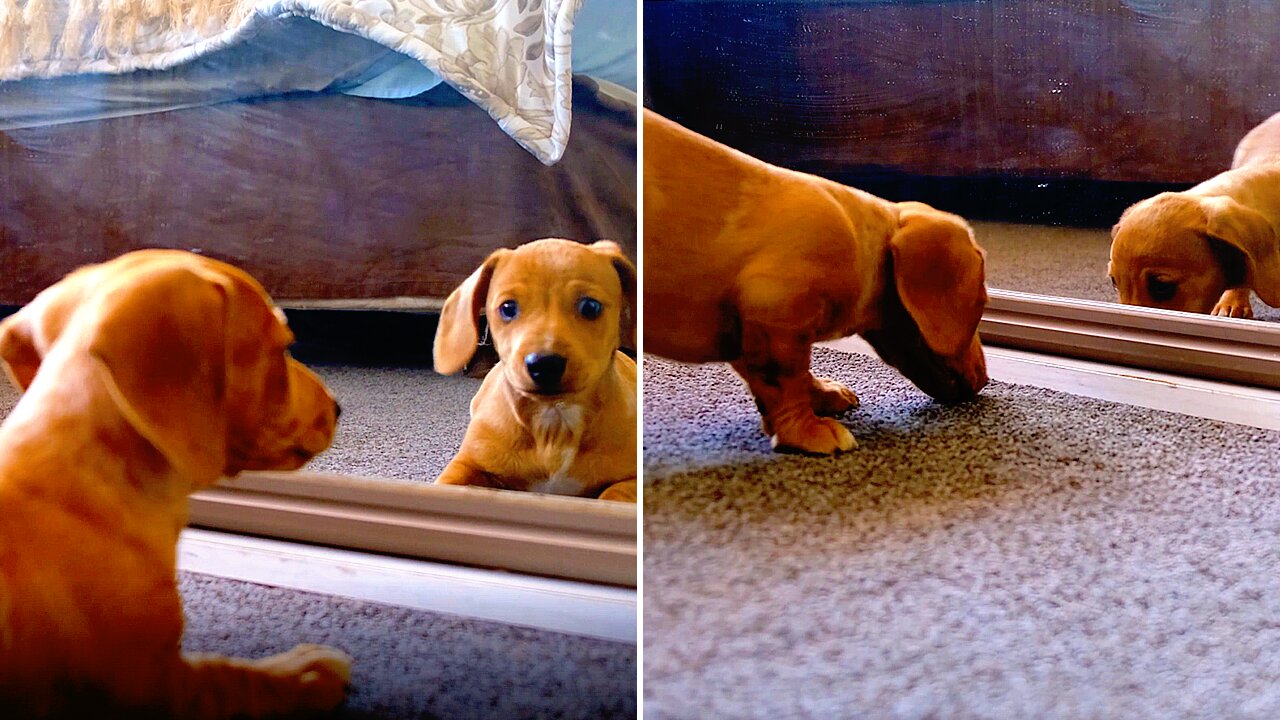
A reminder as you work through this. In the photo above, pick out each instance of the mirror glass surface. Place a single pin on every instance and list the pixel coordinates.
(357, 184)
(1041, 122)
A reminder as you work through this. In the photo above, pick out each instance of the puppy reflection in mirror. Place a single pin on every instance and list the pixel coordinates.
(1204, 249)
(557, 414)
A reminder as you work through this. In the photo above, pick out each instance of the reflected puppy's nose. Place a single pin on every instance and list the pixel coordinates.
(545, 370)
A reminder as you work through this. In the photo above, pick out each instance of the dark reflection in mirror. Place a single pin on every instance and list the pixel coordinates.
(1042, 122)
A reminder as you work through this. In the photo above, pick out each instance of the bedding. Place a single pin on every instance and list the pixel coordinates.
(283, 55)
(604, 48)
(510, 57)
(292, 54)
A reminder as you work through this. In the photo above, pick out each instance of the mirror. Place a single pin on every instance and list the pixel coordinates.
(1040, 122)
(356, 184)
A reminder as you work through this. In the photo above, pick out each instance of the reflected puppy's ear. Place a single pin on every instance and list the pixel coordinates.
(1247, 231)
(939, 272)
(627, 276)
(459, 328)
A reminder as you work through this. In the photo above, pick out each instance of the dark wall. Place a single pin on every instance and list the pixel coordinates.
(1029, 104)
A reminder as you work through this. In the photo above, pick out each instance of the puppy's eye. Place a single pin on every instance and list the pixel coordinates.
(1161, 290)
(508, 310)
(590, 308)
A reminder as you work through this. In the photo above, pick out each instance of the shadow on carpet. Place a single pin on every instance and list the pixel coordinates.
(1028, 554)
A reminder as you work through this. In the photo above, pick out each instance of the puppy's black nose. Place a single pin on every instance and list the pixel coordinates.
(545, 370)
(337, 410)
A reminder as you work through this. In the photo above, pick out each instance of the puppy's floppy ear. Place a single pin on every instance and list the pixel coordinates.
(939, 272)
(459, 328)
(18, 350)
(627, 276)
(1249, 232)
(160, 344)
(28, 334)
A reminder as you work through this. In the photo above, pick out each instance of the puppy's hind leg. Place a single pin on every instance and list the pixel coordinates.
(308, 678)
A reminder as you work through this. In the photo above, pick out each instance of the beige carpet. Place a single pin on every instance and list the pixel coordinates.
(1055, 260)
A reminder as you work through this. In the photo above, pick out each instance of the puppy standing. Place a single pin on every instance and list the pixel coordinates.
(751, 264)
(145, 378)
(1202, 250)
(558, 412)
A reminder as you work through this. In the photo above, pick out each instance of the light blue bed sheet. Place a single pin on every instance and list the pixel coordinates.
(292, 54)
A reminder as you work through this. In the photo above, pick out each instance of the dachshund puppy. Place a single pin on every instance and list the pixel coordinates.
(751, 264)
(146, 378)
(558, 412)
(1204, 249)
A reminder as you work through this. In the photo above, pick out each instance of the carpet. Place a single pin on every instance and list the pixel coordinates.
(397, 423)
(405, 424)
(413, 664)
(1058, 260)
(1028, 554)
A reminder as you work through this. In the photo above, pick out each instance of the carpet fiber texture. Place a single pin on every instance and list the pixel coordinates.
(406, 424)
(397, 423)
(1063, 261)
(1028, 554)
(413, 664)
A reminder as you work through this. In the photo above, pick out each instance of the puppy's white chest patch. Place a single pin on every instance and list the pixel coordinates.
(557, 431)
(558, 485)
(563, 416)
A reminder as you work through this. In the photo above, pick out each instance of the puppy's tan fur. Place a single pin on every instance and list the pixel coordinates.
(751, 264)
(145, 378)
(582, 439)
(1202, 250)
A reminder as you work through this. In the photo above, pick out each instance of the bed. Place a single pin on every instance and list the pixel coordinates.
(338, 151)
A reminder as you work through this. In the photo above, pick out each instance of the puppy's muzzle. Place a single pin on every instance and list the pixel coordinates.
(945, 379)
(546, 371)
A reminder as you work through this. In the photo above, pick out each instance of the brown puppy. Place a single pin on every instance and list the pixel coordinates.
(558, 413)
(751, 264)
(1202, 250)
(145, 378)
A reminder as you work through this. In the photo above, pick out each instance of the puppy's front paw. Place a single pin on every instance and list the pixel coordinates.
(814, 435)
(1235, 307)
(624, 491)
(829, 397)
(321, 674)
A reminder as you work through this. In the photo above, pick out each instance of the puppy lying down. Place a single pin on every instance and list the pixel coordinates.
(557, 414)
(1204, 249)
(750, 264)
(145, 378)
